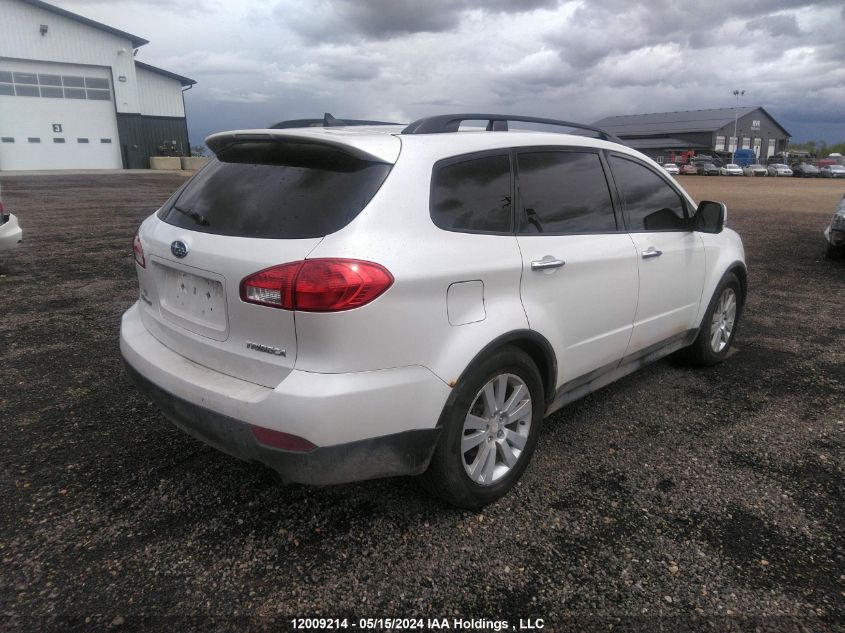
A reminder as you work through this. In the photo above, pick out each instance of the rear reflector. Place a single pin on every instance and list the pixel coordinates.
(139, 252)
(284, 441)
(317, 285)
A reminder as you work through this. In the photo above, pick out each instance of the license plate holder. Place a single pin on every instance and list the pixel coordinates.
(196, 302)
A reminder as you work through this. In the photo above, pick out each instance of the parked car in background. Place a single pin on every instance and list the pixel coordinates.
(689, 170)
(779, 169)
(731, 169)
(707, 169)
(805, 170)
(754, 170)
(11, 234)
(832, 171)
(671, 168)
(350, 303)
(835, 232)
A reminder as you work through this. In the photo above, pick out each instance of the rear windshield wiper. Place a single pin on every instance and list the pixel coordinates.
(196, 217)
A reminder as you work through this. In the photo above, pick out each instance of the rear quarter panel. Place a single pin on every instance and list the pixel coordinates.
(409, 324)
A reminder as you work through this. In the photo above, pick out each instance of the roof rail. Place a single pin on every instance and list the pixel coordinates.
(327, 121)
(443, 123)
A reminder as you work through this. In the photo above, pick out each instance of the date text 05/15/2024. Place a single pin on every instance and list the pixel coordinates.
(417, 624)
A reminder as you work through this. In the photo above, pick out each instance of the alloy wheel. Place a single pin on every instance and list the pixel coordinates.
(722, 324)
(496, 429)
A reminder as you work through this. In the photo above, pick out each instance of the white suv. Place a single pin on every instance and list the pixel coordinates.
(350, 302)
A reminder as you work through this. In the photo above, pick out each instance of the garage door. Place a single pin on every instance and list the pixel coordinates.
(57, 116)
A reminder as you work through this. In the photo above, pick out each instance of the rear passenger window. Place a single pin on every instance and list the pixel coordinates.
(563, 192)
(651, 204)
(473, 195)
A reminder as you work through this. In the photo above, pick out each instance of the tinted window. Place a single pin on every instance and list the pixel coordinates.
(25, 78)
(473, 195)
(94, 82)
(277, 190)
(26, 91)
(651, 204)
(564, 192)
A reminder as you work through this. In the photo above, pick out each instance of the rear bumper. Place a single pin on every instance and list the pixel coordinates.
(11, 234)
(365, 424)
(406, 453)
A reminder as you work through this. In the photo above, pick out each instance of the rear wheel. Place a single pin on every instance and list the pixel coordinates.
(836, 252)
(490, 429)
(719, 325)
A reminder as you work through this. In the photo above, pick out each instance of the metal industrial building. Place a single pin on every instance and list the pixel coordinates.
(73, 96)
(665, 135)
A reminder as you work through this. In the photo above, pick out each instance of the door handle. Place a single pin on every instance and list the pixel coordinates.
(547, 264)
(651, 252)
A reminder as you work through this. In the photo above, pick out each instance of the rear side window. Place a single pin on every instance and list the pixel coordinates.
(563, 192)
(473, 195)
(651, 204)
(276, 190)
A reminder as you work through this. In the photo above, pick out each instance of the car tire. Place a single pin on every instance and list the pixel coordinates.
(835, 252)
(488, 435)
(718, 328)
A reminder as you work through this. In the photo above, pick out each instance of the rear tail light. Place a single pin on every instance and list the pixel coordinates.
(139, 252)
(317, 285)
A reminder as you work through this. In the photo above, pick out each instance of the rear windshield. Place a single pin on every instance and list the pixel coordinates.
(276, 190)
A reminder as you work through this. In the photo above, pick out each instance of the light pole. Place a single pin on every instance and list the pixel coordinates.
(737, 94)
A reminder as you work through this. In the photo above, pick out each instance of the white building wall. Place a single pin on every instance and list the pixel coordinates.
(159, 95)
(68, 40)
(23, 118)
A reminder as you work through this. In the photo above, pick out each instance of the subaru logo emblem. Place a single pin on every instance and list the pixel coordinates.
(179, 249)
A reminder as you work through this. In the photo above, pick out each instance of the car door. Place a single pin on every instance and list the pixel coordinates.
(670, 255)
(579, 277)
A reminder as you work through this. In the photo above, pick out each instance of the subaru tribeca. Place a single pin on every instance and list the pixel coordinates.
(357, 301)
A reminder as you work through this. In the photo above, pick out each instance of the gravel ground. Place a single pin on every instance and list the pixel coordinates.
(675, 499)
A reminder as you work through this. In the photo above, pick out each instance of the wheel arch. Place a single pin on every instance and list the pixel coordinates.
(535, 345)
(738, 268)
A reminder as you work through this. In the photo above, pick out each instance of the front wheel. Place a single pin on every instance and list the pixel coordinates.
(719, 325)
(490, 429)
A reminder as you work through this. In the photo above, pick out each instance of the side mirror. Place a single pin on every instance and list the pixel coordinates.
(710, 217)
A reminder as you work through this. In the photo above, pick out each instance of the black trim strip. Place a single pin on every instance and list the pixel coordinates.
(603, 376)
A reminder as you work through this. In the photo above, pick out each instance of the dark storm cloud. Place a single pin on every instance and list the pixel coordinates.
(344, 20)
(619, 27)
(259, 61)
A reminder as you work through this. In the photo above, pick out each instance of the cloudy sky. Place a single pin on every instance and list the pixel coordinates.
(261, 61)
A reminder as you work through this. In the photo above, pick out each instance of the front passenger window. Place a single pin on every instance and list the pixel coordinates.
(651, 204)
(564, 192)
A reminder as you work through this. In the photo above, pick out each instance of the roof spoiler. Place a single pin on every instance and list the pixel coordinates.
(445, 123)
(382, 148)
(327, 121)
